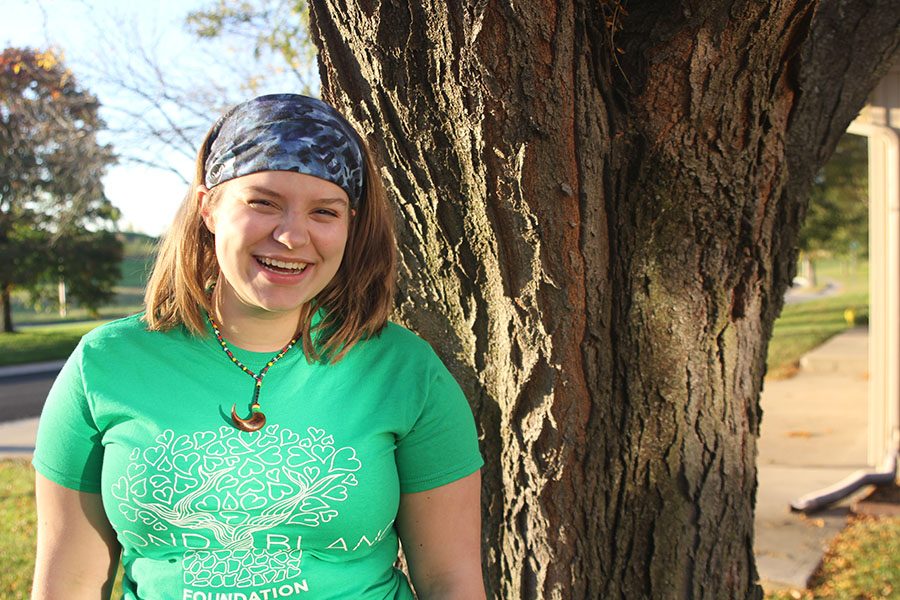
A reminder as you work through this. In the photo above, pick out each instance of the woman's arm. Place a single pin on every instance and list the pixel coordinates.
(77, 550)
(441, 534)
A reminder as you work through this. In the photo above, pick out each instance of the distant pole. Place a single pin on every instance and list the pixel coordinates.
(62, 297)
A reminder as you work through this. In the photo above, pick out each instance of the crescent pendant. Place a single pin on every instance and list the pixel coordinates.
(256, 421)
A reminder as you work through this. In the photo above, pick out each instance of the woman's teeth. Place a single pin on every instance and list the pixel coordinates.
(281, 265)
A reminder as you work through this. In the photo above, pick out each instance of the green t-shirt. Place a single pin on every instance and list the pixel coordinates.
(303, 508)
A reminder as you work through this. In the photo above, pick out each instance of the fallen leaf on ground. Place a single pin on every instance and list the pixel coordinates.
(800, 433)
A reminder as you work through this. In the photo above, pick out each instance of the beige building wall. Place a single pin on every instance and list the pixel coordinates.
(879, 121)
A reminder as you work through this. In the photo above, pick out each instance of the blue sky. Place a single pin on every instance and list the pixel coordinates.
(84, 30)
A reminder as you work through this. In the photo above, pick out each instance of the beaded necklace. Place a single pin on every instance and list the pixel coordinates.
(257, 418)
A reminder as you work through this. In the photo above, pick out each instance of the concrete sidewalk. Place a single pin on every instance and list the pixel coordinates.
(813, 434)
(17, 437)
(814, 430)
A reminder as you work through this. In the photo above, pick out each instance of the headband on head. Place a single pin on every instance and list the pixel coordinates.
(286, 132)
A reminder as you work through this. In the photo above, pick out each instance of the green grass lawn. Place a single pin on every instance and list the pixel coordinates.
(131, 304)
(46, 342)
(862, 563)
(807, 325)
(18, 531)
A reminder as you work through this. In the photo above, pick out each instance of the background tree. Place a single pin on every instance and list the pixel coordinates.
(54, 216)
(89, 262)
(162, 102)
(275, 29)
(598, 214)
(837, 220)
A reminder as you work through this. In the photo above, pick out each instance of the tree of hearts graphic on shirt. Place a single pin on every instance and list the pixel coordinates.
(232, 484)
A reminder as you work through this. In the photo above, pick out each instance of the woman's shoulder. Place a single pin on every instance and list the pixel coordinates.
(129, 330)
(397, 336)
(126, 326)
(398, 346)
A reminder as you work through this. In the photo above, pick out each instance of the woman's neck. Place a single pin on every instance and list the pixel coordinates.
(252, 328)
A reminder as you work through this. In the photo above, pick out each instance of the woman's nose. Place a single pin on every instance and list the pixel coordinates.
(292, 231)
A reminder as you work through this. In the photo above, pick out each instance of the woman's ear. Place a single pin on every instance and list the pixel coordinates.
(204, 199)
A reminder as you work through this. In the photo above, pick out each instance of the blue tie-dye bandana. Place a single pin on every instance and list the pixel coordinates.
(286, 132)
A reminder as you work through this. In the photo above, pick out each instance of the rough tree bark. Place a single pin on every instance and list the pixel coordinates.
(597, 215)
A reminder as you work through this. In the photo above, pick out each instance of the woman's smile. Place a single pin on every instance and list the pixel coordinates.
(281, 266)
(282, 272)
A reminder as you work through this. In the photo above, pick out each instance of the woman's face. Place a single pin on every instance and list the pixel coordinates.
(280, 238)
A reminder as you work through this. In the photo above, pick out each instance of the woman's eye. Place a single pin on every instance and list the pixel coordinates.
(259, 202)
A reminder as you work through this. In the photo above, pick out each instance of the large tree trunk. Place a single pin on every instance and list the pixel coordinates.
(597, 215)
(6, 302)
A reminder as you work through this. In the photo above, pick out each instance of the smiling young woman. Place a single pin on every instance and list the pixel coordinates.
(279, 240)
(360, 440)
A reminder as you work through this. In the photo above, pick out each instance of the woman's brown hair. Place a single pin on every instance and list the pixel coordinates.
(355, 303)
